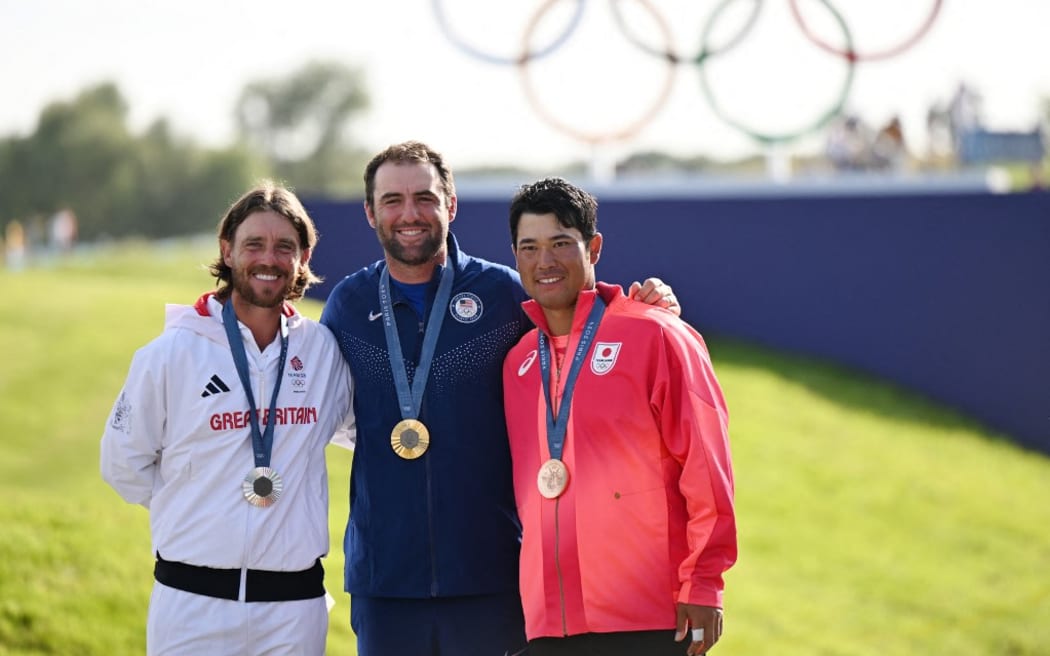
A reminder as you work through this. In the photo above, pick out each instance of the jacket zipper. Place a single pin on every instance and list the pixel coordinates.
(430, 531)
(259, 369)
(430, 498)
(557, 505)
(557, 567)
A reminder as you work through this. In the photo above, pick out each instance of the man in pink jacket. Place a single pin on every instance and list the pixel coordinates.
(619, 440)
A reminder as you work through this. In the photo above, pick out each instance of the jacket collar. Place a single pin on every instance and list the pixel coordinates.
(201, 306)
(584, 302)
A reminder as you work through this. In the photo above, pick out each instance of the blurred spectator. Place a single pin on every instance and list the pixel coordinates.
(939, 133)
(964, 112)
(63, 231)
(849, 144)
(15, 251)
(889, 151)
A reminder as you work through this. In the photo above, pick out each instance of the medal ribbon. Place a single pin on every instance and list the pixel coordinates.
(410, 399)
(556, 428)
(262, 443)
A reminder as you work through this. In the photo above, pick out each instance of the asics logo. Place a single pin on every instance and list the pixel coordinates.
(529, 359)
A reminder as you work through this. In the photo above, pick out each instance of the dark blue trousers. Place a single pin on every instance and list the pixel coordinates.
(483, 625)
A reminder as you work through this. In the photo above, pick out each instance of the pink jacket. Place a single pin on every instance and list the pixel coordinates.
(647, 518)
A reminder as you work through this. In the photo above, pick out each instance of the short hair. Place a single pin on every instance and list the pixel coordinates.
(409, 151)
(574, 207)
(272, 197)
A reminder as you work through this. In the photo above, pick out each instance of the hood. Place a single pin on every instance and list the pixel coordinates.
(205, 317)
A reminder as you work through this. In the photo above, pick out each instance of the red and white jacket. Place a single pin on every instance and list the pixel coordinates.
(647, 519)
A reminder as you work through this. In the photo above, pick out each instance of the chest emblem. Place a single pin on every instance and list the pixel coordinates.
(466, 307)
(604, 358)
(297, 375)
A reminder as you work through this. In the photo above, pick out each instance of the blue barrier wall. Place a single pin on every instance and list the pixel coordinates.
(945, 294)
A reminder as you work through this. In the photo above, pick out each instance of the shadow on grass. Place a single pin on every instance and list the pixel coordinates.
(853, 388)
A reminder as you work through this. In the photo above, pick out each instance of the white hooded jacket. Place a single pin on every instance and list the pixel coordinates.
(178, 440)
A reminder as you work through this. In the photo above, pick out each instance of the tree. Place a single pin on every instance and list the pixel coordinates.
(185, 189)
(301, 123)
(82, 156)
(79, 156)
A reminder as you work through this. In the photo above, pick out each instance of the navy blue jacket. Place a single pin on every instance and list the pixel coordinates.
(445, 523)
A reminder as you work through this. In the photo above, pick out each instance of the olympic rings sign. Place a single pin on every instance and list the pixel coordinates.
(533, 49)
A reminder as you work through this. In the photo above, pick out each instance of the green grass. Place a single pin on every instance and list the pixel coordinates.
(871, 521)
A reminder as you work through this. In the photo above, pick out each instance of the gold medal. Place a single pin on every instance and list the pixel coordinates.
(410, 439)
(262, 487)
(553, 478)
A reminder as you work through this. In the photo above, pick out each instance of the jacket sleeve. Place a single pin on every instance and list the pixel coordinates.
(694, 423)
(132, 438)
(343, 391)
(340, 391)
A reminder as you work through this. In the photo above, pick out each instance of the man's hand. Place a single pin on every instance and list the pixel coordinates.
(703, 625)
(655, 292)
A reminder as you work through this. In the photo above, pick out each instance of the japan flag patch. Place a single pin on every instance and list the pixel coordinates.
(604, 358)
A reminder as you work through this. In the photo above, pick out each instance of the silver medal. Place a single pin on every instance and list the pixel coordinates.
(262, 487)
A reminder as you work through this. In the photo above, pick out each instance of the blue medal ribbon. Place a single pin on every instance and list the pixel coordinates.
(262, 443)
(556, 429)
(410, 398)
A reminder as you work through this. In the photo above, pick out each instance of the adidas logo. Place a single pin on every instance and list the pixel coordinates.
(214, 386)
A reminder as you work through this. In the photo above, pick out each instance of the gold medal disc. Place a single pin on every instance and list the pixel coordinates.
(553, 478)
(262, 487)
(410, 439)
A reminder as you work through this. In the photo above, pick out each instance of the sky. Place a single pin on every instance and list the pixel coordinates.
(187, 61)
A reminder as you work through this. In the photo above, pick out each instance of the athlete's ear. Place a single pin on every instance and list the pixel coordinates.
(594, 248)
(224, 250)
(369, 215)
(452, 205)
(307, 252)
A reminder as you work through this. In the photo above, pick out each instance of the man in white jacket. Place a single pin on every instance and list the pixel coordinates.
(220, 432)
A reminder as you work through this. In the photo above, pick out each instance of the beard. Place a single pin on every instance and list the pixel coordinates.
(412, 256)
(241, 282)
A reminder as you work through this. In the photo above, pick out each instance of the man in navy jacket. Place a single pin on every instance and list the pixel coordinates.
(433, 537)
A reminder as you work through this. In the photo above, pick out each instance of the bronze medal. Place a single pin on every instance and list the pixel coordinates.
(262, 487)
(553, 478)
(410, 439)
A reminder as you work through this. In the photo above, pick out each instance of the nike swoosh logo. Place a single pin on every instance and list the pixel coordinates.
(372, 316)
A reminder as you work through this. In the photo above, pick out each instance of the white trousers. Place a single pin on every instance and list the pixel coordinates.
(186, 624)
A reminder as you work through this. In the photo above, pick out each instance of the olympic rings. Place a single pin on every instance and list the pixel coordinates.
(701, 60)
(704, 53)
(526, 54)
(596, 137)
(853, 55)
(822, 120)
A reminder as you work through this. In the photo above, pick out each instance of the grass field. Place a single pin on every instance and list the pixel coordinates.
(871, 522)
